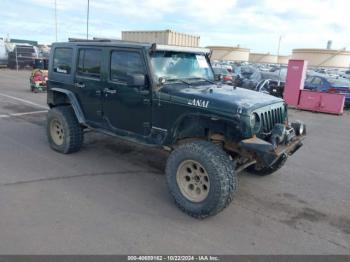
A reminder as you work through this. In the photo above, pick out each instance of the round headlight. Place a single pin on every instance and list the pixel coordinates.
(255, 122)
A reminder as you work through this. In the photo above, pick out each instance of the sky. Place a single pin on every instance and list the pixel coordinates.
(254, 24)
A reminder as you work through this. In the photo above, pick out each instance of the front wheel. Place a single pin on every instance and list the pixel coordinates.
(201, 178)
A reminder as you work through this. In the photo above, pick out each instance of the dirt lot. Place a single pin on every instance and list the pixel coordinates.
(111, 197)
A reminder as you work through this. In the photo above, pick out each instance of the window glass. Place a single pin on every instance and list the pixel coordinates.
(180, 65)
(124, 64)
(89, 63)
(317, 81)
(308, 80)
(62, 60)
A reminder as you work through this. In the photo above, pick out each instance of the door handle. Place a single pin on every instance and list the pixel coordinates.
(109, 91)
(80, 85)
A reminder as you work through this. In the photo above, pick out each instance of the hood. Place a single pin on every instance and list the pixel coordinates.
(222, 98)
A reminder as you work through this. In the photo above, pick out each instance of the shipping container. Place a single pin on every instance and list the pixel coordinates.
(165, 37)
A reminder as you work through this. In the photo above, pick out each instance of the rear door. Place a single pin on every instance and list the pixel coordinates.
(88, 83)
(127, 107)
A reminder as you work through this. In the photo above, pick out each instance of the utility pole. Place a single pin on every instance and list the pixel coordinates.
(56, 19)
(279, 45)
(87, 19)
(278, 54)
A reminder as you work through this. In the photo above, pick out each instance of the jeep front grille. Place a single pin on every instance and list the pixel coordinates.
(270, 118)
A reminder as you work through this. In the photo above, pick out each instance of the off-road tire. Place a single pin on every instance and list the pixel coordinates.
(265, 171)
(73, 131)
(220, 170)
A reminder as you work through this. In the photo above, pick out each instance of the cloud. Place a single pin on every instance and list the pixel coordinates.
(256, 24)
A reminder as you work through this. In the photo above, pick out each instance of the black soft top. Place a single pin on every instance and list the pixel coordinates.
(102, 43)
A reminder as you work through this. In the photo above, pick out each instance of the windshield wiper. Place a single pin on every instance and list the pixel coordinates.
(201, 78)
(177, 80)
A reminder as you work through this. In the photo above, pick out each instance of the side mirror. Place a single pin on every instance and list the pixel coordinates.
(137, 80)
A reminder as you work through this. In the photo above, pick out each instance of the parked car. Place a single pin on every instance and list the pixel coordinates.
(252, 81)
(222, 74)
(321, 83)
(271, 87)
(21, 55)
(346, 74)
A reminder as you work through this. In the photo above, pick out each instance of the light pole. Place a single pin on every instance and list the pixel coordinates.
(87, 19)
(278, 54)
(56, 19)
(279, 45)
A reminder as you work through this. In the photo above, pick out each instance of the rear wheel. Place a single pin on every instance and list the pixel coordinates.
(201, 178)
(64, 132)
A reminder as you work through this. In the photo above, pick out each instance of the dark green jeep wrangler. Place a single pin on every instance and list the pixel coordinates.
(166, 96)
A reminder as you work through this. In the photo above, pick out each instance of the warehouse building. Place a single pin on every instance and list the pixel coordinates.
(165, 37)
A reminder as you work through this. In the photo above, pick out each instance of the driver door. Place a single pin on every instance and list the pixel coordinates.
(126, 106)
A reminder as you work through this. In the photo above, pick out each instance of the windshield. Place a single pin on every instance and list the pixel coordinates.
(179, 65)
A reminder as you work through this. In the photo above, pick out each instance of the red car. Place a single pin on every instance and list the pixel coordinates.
(223, 74)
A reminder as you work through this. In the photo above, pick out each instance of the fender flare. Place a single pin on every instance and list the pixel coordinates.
(210, 118)
(74, 103)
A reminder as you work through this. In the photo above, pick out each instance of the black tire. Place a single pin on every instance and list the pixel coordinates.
(73, 133)
(266, 170)
(220, 170)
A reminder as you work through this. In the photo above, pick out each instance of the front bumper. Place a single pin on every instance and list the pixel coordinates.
(269, 152)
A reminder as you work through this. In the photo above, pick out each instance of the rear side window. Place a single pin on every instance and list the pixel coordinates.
(62, 60)
(89, 63)
(124, 64)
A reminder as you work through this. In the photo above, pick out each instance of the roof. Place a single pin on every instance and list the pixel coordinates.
(122, 43)
(106, 42)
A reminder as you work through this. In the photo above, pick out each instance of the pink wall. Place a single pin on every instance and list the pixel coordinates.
(294, 81)
(295, 95)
